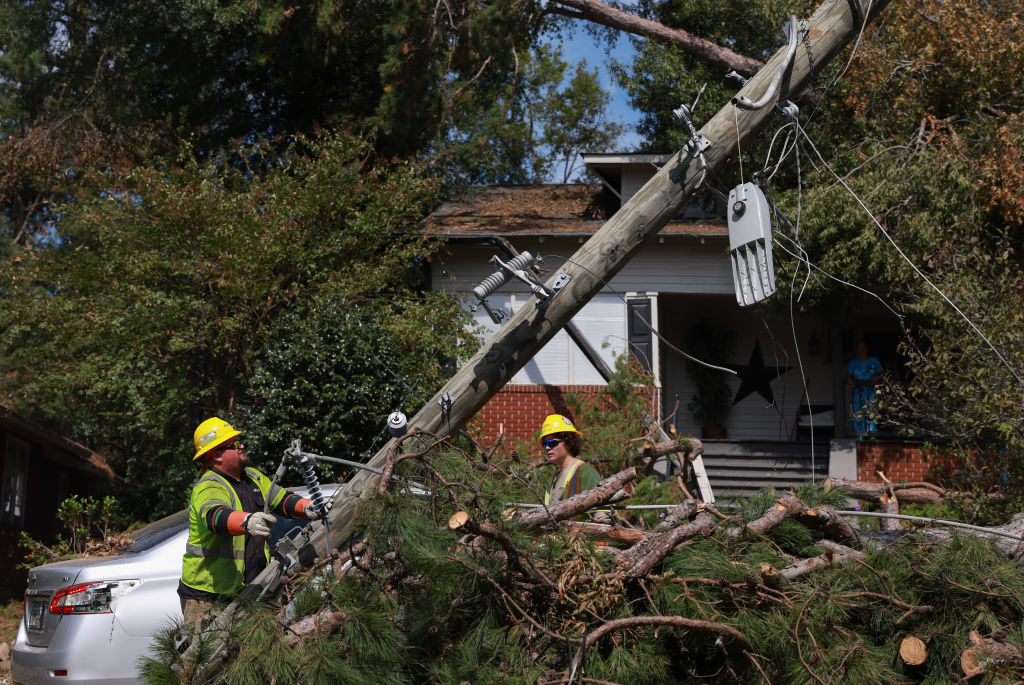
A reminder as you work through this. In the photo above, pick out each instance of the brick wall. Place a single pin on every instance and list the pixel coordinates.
(519, 410)
(897, 460)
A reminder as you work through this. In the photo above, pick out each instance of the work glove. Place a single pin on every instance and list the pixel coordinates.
(258, 524)
(312, 512)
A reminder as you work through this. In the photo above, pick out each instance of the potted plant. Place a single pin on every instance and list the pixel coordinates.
(712, 401)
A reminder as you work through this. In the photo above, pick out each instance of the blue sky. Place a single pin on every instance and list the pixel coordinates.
(583, 46)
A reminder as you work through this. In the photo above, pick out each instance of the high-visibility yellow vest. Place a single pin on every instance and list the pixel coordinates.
(573, 468)
(570, 477)
(216, 563)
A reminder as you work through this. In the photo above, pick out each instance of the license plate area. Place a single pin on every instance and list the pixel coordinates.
(35, 611)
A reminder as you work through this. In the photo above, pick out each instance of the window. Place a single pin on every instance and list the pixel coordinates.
(15, 478)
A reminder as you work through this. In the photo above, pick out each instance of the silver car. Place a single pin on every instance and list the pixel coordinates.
(90, 620)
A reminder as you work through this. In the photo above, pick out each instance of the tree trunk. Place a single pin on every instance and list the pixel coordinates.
(717, 56)
(602, 493)
(911, 493)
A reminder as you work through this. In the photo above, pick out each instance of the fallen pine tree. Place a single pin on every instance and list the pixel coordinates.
(457, 586)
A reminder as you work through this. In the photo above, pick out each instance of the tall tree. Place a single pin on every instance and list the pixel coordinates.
(546, 117)
(922, 124)
(153, 310)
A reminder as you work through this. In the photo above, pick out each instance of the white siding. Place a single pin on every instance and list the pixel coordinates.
(679, 265)
(690, 280)
(602, 321)
(560, 362)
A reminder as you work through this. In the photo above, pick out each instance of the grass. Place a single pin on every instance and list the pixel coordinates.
(11, 612)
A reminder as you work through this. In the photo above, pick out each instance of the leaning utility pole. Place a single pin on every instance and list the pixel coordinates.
(831, 27)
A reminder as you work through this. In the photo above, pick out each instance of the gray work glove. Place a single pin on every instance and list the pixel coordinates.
(258, 524)
(312, 512)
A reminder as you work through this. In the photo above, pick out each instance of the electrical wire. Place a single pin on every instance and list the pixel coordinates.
(650, 326)
(907, 259)
(811, 265)
(806, 392)
(923, 519)
(842, 512)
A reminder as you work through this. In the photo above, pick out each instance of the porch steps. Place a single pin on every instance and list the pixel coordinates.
(743, 468)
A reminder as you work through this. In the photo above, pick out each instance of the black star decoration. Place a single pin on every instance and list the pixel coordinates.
(756, 377)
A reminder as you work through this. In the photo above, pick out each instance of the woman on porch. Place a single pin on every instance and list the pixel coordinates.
(861, 374)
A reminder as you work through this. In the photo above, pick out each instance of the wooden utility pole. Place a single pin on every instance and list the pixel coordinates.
(831, 27)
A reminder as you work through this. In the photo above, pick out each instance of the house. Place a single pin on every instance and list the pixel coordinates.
(39, 470)
(788, 403)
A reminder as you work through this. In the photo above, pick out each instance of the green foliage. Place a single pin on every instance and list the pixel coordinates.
(615, 423)
(662, 75)
(111, 85)
(90, 523)
(332, 371)
(536, 129)
(420, 604)
(165, 285)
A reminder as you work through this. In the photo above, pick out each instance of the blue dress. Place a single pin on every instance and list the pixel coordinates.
(862, 399)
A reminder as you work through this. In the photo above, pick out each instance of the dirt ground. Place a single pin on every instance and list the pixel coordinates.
(10, 615)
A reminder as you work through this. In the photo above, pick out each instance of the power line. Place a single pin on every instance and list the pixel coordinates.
(908, 260)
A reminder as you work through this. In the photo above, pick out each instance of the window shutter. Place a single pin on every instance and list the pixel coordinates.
(641, 340)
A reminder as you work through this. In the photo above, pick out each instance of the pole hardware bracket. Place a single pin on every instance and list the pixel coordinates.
(694, 148)
(557, 285)
(446, 403)
(518, 267)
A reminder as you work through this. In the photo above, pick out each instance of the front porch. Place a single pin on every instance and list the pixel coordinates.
(742, 467)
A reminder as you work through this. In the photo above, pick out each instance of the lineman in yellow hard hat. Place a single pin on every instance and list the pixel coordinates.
(562, 443)
(227, 525)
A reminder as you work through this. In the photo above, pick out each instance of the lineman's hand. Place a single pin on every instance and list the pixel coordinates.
(258, 524)
(312, 512)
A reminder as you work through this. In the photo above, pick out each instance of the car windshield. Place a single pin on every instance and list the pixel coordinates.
(153, 534)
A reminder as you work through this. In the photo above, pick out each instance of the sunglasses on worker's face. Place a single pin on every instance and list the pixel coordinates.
(552, 442)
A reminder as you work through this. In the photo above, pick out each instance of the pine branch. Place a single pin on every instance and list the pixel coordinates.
(602, 493)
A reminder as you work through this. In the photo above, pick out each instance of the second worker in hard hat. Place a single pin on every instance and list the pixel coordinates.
(227, 526)
(562, 443)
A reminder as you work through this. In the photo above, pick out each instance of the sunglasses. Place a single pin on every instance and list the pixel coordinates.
(552, 442)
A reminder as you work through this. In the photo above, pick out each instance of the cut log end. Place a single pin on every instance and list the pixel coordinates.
(770, 575)
(970, 662)
(458, 520)
(913, 651)
(984, 652)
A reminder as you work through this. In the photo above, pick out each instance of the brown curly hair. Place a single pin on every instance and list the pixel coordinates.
(573, 442)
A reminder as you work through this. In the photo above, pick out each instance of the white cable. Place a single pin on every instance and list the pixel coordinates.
(812, 265)
(647, 323)
(907, 259)
(922, 519)
(788, 145)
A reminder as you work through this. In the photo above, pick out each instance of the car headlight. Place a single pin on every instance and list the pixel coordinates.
(91, 598)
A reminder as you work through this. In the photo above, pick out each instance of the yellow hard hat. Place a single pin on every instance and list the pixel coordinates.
(211, 434)
(556, 423)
